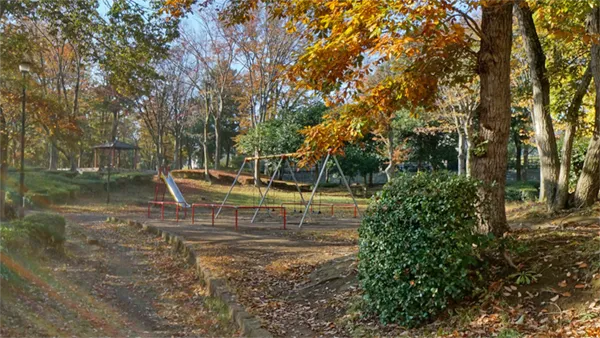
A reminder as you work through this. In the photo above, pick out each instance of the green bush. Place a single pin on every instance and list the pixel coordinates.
(521, 191)
(13, 236)
(416, 246)
(46, 228)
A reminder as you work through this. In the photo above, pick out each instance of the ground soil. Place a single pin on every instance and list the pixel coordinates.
(304, 282)
(127, 285)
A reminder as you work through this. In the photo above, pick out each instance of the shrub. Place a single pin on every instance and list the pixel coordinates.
(46, 228)
(416, 246)
(13, 236)
(521, 191)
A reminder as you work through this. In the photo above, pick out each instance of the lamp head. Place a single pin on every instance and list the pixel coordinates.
(25, 67)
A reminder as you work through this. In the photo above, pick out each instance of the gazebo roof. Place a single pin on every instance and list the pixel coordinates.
(116, 145)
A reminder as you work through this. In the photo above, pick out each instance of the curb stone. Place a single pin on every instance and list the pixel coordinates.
(217, 287)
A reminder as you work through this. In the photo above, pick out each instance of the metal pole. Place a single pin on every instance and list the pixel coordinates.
(267, 190)
(346, 183)
(284, 219)
(312, 194)
(22, 171)
(230, 188)
(295, 181)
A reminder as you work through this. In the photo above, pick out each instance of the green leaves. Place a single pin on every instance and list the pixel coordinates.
(416, 246)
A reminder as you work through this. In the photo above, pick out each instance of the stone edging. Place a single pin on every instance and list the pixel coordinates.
(217, 287)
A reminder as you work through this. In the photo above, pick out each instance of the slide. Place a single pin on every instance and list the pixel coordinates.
(174, 189)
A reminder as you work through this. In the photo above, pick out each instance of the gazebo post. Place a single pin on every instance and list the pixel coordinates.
(118, 158)
(95, 160)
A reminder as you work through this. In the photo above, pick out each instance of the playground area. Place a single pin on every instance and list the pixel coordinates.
(267, 263)
(281, 208)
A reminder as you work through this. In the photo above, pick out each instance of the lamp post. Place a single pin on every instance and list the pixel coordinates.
(24, 67)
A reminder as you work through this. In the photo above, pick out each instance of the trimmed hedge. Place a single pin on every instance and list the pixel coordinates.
(47, 228)
(416, 246)
(522, 191)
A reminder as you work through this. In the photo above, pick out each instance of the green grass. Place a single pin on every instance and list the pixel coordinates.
(57, 187)
(248, 195)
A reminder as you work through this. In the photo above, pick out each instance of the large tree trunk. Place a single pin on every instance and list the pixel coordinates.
(562, 195)
(542, 121)
(53, 158)
(493, 115)
(72, 161)
(588, 184)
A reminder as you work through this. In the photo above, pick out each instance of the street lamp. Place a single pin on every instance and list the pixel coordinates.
(24, 68)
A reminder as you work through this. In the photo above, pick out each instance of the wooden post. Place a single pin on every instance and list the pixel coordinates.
(95, 159)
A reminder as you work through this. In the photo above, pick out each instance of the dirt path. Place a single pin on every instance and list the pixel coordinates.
(126, 285)
(271, 271)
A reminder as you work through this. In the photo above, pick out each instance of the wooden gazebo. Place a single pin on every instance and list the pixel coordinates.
(114, 149)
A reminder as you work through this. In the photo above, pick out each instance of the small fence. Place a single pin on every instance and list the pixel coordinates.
(252, 214)
(228, 211)
(332, 209)
(178, 206)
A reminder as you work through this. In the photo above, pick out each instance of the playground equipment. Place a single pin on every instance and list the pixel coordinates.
(168, 184)
(308, 205)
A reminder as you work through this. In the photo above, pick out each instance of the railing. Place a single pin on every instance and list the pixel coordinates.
(162, 208)
(331, 206)
(236, 209)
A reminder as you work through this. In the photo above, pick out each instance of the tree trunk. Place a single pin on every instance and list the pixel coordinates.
(525, 163)
(562, 195)
(389, 170)
(176, 153)
(588, 184)
(3, 161)
(228, 155)
(493, 115)
(53, 156)
(462, 156)
(542, 121)
(518, 158)
(72, 161)
(370, 179)
(205, 150)
(189, 154)
(256, 172)
(217, 143)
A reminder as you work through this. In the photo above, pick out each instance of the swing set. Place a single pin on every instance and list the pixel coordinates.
(305, 206)
(308, 206)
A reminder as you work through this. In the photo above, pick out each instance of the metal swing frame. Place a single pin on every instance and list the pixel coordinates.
(283, 158)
